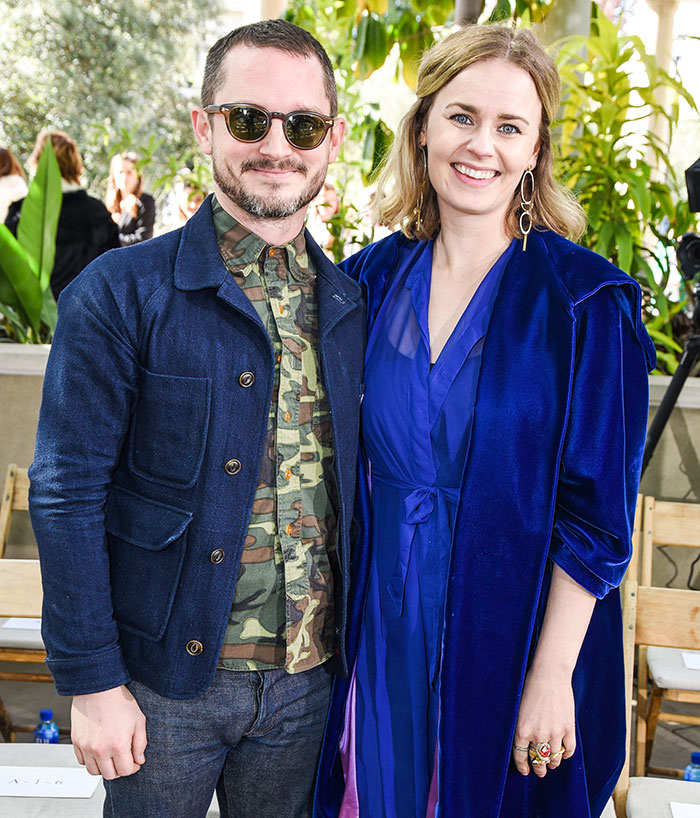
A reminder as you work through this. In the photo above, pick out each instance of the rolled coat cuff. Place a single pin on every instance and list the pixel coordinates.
(89, 674)
(592, 557)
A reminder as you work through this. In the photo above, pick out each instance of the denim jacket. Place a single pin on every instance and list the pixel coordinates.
(148, 451)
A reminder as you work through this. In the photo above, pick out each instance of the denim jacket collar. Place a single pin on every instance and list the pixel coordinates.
(199, 265)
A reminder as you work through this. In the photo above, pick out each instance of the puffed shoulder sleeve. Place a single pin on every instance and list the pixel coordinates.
(604, 444)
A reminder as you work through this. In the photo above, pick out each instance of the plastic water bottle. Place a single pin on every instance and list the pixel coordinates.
(692, 771)
(46, 732)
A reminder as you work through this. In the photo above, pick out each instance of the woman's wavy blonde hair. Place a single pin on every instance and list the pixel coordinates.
(402, 177)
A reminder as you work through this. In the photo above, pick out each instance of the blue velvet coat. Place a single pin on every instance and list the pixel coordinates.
(551, 476)
(140, 524)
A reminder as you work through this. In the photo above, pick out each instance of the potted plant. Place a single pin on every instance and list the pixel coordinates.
(27, 305)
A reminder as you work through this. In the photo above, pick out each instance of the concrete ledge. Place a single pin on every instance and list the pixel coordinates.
(23, 359)
(689, 397)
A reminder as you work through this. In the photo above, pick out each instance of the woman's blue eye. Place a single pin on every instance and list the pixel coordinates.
(462, 119)
(509, 128)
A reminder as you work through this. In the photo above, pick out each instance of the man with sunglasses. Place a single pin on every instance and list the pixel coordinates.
(193, 482)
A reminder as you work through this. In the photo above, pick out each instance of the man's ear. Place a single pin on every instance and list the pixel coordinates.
(202, 129)
(337, 134)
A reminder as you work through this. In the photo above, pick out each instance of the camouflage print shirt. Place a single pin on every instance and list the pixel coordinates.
(282, 612)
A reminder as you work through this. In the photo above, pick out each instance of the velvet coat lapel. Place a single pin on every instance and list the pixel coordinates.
(553, 435)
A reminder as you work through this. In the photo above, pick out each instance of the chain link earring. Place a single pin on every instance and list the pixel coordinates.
(528, 179)
(418, 209)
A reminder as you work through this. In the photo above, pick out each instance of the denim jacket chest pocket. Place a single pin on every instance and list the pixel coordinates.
(169, 428)
(147, 542)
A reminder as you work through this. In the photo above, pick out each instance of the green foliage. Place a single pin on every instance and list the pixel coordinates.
(27, 306)
(190, 166)
(523, 11)
(359, 36)
(123, 64)
(36, 230)
(635, 214)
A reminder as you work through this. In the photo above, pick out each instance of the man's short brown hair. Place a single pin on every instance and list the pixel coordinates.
(279, 34)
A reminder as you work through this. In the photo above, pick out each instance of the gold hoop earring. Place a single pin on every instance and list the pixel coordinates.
(418, 209)
(526, 204)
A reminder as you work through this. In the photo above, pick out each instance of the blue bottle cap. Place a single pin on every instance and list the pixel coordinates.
(47, 715)
(695, 758)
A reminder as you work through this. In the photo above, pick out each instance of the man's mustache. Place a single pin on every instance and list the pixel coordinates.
(268, 164)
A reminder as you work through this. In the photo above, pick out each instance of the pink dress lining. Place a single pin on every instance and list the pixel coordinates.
(350, 806)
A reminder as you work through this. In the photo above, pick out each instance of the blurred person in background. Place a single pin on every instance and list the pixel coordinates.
(133, 210)
(12, 183)
(188, 197)
(85, 229)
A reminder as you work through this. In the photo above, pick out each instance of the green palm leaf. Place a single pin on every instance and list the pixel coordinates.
(38, 220)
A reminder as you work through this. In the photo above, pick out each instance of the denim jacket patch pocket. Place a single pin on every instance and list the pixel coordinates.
(146, 542)
(169, 428)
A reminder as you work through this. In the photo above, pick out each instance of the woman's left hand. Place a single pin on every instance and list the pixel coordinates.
(546, 715)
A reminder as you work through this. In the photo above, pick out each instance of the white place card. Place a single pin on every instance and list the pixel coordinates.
(691, 660)
(679, 810)
(23, 623)
(47, 782)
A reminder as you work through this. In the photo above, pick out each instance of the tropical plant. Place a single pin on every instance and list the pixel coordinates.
(619, 168)
(27, 305)
(67, 64)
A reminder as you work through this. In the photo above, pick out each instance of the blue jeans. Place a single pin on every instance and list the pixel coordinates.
(254, 736)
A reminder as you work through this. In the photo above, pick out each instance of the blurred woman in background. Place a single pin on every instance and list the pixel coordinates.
(12, 183)
(133, 210)
(85, 229)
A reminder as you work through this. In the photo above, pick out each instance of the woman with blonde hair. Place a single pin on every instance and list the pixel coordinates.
(504, 417)
(85, 229)
(133, 210)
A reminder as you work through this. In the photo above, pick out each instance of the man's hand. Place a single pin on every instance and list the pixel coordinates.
(108, 731)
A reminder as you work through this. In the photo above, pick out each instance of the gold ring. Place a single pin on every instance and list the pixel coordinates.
(558, 753)
(520, 749)
(540, 753)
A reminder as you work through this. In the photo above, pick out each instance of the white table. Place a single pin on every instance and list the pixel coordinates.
(46, 755)
(54, 755)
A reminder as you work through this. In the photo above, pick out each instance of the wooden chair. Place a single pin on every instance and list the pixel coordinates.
(15, 497)
(677, 524)
(20, 596)
(664, 617)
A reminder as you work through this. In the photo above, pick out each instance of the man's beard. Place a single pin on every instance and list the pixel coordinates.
(269, 207)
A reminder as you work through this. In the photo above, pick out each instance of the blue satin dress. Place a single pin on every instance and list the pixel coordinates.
(416, 428)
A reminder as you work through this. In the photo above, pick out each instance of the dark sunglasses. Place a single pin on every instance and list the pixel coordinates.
(250, 123)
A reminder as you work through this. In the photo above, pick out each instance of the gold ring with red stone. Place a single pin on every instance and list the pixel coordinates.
(540, 753)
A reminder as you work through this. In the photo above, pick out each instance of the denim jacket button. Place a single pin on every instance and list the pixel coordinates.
(246, 379)
(194, 647)
(217, 556)
(232, 466)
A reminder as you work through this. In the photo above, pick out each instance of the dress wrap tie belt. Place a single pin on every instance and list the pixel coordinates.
(419, 506)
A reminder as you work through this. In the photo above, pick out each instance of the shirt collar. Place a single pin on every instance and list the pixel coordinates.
(240, 248)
